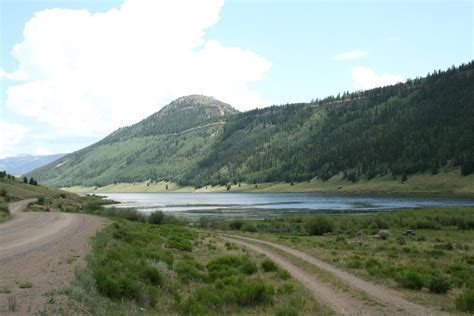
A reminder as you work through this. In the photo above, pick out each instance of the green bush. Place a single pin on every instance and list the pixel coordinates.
(236, 225)
(319, 225)
(248, 267)
(254, 293)
(465, 302)
(152, 275)
(188, 271)
(226, 266)
(180, 243)
(156, 217)
(438, 285)
(231, 290)
(410, 279)
(355, 263)
(268, 266)
(283, 274)
(249, 227)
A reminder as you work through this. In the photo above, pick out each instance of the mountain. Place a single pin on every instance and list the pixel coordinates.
(417, 126)
(166, 145)
(22, 164)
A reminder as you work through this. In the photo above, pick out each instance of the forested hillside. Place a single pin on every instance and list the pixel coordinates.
(417, 126)
(163, 146)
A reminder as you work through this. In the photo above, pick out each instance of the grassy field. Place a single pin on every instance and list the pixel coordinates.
(446, 182)
(176, 270)
(427, 254)
(159, 264)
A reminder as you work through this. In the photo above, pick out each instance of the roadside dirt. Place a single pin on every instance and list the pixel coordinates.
(44, 250)
(391, 302)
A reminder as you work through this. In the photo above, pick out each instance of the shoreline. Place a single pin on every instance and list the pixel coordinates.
(444, 184)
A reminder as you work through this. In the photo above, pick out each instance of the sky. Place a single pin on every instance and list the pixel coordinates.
(72, 72)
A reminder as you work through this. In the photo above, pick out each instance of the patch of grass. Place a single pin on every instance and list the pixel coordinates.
(26, 285)
(4, 290)
(287, 311)
(269, 266)
(465, 302)
(235, 290)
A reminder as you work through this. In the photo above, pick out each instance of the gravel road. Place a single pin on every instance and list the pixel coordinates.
(43, 249)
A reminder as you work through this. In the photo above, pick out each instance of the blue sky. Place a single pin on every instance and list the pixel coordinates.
(248, 53)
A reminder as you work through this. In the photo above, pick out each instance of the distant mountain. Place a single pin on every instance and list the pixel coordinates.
(411, 127)
(22, 164)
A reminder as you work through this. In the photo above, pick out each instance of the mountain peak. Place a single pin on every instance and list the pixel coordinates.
(191, 103)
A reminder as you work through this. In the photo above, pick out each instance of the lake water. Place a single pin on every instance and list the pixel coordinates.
(257, 206)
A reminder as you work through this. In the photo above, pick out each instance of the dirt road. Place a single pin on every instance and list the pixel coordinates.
(42, 250)
(390, 302)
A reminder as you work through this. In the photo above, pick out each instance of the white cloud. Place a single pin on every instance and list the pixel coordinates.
(365, 78)
(40, 151)
(87, 74)
(11, 135)
(355, 54)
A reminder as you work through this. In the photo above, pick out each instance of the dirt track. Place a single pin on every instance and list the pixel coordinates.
(44, 249)
(391, 302)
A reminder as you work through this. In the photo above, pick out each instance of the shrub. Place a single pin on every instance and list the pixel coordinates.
(41, 200)
(156, 217)
(374, 267)
(319, 225)
(410, 279)
(283, 274)
(152, 275)
(180, 243)
(438, 285)
(465, 302)
(249, 227)
(236, 225)
(254, 293)
(229, 291)
(248, 267)
(268, 266)
(355, 263)
(460, 274)
(189, 271)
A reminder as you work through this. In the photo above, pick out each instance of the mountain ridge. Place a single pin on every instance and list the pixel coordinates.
(24, 163)
(410, 127)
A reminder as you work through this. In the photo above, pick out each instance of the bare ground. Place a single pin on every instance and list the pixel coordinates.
(391, 302)
(43, 249)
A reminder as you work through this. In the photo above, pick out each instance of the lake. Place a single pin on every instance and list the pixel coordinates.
(192, 206)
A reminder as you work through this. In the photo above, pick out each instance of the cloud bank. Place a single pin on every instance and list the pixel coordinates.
(86, 74)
